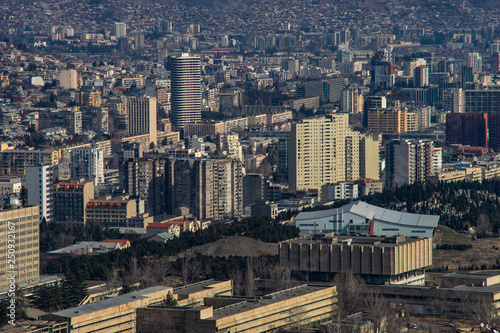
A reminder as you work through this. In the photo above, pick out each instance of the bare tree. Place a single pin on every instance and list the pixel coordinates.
(133, 275)
(280, 278)
(260, 266)
(237, 277)
(112, 280)
(250, 279)
(191, 270)
(483, 225)
(351, 293)
(350, 324)
(378, 310)
(479, 308)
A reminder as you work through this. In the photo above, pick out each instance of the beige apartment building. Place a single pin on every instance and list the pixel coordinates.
(22, 225)
(141, 116)
(389, 120)
(110, 213)
(13, 162)
(326, 151)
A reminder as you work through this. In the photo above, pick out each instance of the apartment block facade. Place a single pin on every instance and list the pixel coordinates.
(14, 162)
(410, 161)
(141, 116)
(325, 151)
(39, 182)
(209, 188)
(22, 225)
(70, 200)
(390, 120)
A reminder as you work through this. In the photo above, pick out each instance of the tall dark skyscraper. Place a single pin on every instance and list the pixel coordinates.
(186, 90)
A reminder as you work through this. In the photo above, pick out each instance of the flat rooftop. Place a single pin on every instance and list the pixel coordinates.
(266, 300)
(334, 239)
(95, 307)
(196, 287)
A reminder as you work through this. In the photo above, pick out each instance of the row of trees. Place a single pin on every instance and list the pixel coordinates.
(69, 293)
(56, 235)
(143, 252)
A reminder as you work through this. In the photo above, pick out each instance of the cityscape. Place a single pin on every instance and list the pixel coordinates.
(228, 166)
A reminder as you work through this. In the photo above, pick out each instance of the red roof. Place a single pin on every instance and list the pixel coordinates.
(116, 241)
(160, 225)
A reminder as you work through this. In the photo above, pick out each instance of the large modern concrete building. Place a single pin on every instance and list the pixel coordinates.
(20, 224)
(141, 116)
(378, 260)
(186, 90)
(325, 150)
(361, 218)
(301, 305)
(446, 294)
(117, 314)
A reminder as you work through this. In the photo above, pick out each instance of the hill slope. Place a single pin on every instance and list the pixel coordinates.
(235, 246)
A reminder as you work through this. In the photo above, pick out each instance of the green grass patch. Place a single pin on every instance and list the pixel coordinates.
(454, 238)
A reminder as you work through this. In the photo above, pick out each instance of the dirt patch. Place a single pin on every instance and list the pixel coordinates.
(484, 251)
(233, 246)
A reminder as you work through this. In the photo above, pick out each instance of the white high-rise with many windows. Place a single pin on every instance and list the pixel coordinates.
(120, 29)
(88, 163)
(186, 90)
(39, 181)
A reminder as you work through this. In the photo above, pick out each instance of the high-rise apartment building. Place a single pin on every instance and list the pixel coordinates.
(120, 29)
(475, 61)
(68, 79)
(209, 188)
(23, 224)
(390, 120)
(39, 182)
(495, 63)
(185, 90)
(483, 99)
(454, 100)
(88, 163)
(254, 188)
(325, 150)
(471, 129)
(384, 75)
(145, 178)
(141, 116)
(229, 145)
(467, 75)
(410, 161)
(282, 151)
(421, 77)
(14, 162)
(70, 200)
(352, 100)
